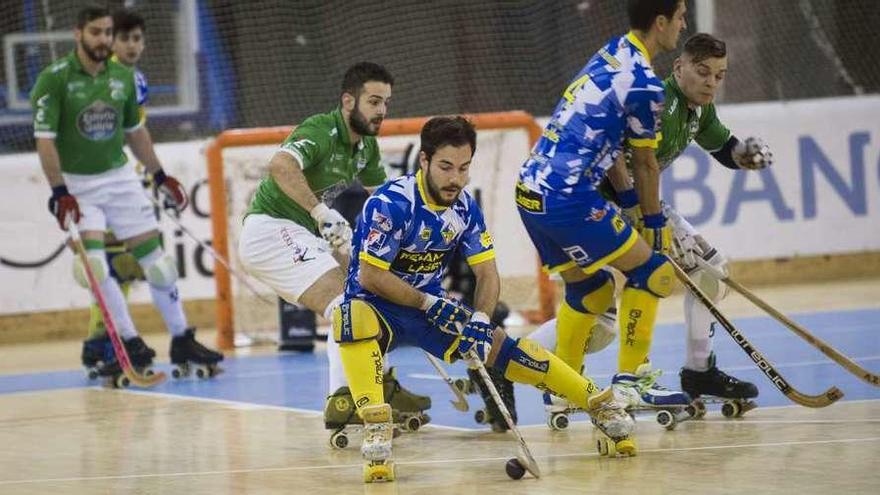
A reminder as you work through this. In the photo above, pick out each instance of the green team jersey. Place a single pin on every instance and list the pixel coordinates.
(329, 162)
(86, 115)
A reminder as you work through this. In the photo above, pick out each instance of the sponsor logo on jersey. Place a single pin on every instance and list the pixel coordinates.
(596, 214)
(618, 223)
(361, 164)
(425, 262)
(486, 240)
(382, 221)
(375, 238)
(97, 122)
(528, 199)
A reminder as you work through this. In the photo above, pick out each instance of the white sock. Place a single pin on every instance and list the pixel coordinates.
(545, 335)
(698, 321)
(337, 372)
(166, 299)
(117, 307)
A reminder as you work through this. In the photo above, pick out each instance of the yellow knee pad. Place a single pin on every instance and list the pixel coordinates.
(355, 320)
(593, 295)
(655, 276)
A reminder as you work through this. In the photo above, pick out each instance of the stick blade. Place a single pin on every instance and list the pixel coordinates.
(525, 458)
(145, 381)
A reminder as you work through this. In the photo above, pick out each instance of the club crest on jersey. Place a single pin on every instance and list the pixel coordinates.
(448, 234)
(375, 238)
(381, 221)
(425, 233)
(485, 240)
(97, 122)
(597, 214)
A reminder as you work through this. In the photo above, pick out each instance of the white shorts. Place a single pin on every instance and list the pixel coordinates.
(283, 254)
(114, 199)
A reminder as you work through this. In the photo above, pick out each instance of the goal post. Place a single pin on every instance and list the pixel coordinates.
(235, 138)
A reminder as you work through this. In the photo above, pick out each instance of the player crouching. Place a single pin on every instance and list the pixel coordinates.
(405, 238)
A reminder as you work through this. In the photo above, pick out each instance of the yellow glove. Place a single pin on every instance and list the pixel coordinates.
(656, 232)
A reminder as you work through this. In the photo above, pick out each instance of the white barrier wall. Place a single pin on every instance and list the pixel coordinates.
(822, 196)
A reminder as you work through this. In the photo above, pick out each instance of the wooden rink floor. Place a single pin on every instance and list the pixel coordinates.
(257, 428)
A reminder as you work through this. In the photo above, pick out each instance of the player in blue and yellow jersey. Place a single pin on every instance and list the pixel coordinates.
(405, 237)
(616, 100)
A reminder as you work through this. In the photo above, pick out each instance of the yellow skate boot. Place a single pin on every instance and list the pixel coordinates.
(614, 422)
(376, 449)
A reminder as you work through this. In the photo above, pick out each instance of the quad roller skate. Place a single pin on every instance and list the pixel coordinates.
(140, 355)
(714, 386)
(491, 414)
(408, 412)
(614, 422)
(94, 353)
(376, 447)
(188, 355)
(640, 392)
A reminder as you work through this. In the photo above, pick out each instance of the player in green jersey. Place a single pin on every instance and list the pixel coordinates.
(295, 243)
(689, 116)
(85, 110)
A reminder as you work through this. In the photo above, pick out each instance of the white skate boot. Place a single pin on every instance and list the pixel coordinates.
(376, 449)
(641, 391)
(611, 418)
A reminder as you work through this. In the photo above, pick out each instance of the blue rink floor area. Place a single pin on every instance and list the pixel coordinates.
(299, 381)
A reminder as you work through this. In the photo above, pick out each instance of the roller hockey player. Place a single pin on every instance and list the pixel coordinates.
(401, 250)
(690, 116)
(85, 109)
(615, 100)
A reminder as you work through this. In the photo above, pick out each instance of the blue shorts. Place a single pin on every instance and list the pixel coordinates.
(410, 326)
(586, 231)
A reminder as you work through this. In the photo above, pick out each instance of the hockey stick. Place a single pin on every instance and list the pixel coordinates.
(827, 398)
(835, 355)
(115, 339)
(523, 454)
(210, 250)
(461, 403)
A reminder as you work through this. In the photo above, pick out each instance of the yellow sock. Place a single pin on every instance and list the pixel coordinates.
(96, 323)
(638, 311)
(547, 371)
(573, 330)
(362, 362)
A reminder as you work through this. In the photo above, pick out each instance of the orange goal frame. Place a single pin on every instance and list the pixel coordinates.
(275, 135)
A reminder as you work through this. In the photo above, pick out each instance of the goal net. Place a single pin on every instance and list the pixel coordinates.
(237, 161)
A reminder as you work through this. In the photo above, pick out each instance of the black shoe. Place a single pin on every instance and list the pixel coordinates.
(505, 390)
(185, 348)
(140, 354)
(715, 382)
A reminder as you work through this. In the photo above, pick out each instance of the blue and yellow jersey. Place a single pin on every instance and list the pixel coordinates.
(615, 98)
(402, 231)
(140, 85)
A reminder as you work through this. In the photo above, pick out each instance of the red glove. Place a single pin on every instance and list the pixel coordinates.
(63, 205)
(175, 194)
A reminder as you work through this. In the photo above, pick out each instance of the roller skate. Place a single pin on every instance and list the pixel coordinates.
(491, 414)
(94, 351)
(140, 355)
(614, 422)
(558, 411)
(408, 408)
(376, 447)
(640, 392)
(187, 354)
(714, 386)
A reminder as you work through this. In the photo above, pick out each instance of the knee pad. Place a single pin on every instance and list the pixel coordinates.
(593, 295)
(98, 264)
(715, 289)
(162, 272)
(355, 320)
(655, 276)
(523, 361)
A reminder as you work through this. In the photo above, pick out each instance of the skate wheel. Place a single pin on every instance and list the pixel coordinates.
(699, 409)
(203, 372)
(558, 421)
(463, 385)
(177, 373)
(666, 419)
(481, 416)
(122, 381)
(730, 409)
(601, 447)
(747, 406)
(412, 424)
(339, 440)
(379, 472)
(92, 373)
(149, 372)
(626, 447)
(610, 447)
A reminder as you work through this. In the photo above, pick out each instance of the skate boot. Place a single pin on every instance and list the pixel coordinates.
(408, 408)
(93, 354)
(340, 416)
(714, 385)
(491, 415)
(614, 422)
(376, 448)
(140, 354)
(640, 392)
(187, 354)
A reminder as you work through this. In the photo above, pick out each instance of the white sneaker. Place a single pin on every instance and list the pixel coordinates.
(641, 390)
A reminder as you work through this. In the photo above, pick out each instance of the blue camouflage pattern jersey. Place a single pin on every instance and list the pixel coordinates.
(402, 231)
(615, 97)
(142, 90)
